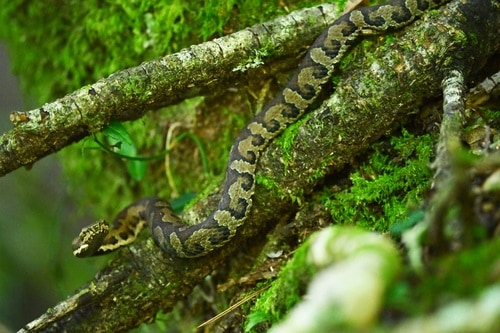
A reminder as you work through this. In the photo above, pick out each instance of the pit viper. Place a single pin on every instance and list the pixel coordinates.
(315, 70)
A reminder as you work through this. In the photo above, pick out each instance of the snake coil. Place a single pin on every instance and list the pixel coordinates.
(322, 59)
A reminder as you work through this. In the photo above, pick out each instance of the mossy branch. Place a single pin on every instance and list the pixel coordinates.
(372, 98)
(126, 95)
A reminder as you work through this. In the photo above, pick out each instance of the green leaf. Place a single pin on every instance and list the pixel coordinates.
(116, 131)
(137, 169)
(180, 202)
(121, 140)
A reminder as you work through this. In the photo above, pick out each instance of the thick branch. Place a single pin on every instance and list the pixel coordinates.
(128, 94)
(375, 95)
(370, 101)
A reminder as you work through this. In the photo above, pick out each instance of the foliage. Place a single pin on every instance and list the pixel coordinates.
(386, 186)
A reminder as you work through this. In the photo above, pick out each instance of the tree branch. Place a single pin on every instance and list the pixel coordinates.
(128, 94)
(372, 98)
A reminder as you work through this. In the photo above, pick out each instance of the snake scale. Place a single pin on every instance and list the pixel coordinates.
(318, 65)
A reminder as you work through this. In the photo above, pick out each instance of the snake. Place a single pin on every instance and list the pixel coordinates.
(322, 59)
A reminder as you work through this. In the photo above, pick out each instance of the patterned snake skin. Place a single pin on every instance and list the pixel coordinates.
(322, 59)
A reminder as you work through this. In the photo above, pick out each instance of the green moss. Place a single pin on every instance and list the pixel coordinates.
(283, 293)
(89, 40)
(385, 187)
(233, 123)
(86, 41)
(287, 139)
(270, 184)
(319, 173)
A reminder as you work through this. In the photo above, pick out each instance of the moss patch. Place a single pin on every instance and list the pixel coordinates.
(387, 186)
(283, 294)
(61, 46)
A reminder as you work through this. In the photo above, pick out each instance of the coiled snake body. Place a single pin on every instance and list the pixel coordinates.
(322, 59)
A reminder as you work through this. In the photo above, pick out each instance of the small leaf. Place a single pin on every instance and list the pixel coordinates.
(123, 144)
(137, 169)
(116, 131)
(180, 202)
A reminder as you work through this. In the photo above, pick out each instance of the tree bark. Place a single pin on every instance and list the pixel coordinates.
(128, 94)
(376, 93)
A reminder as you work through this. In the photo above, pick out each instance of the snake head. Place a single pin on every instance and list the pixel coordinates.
(90, 239)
